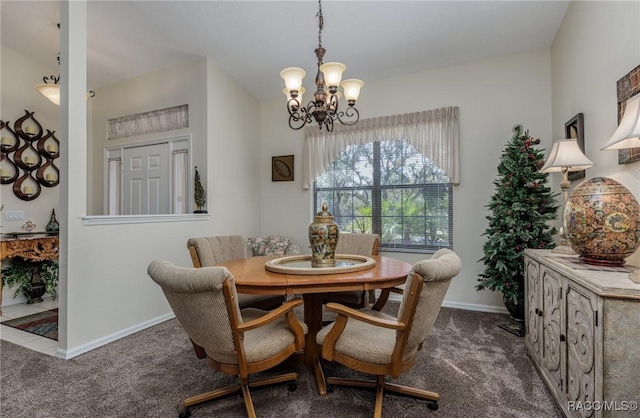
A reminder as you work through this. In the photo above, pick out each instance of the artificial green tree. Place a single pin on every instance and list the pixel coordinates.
(199, 194)
(521, 208)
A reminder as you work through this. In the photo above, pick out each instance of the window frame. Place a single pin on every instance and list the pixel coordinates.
(376, 190)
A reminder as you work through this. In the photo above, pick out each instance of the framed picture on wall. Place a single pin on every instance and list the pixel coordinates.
(282, 168)
(627, 87)
(574, 128)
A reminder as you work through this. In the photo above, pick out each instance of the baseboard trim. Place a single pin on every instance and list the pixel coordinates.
(458, 305)
(474, 307)
(84, 348)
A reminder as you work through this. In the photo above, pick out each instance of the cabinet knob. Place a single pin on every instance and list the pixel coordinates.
(539, 312)
(562, 337)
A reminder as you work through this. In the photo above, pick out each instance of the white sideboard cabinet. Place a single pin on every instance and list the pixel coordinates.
(583, 334)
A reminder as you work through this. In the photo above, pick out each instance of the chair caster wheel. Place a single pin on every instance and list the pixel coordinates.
(185, 413)
(329, 388)
(433, 406)
(293, 387)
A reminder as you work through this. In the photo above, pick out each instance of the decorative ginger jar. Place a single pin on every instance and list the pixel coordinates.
(323, 237)
(602, 222)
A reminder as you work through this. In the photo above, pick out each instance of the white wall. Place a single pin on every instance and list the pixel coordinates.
(597, 44)
(493, 96)
(19, 75)
(106, 292)
(172, 87)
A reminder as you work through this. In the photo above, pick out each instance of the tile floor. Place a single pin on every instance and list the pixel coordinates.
(26, 339)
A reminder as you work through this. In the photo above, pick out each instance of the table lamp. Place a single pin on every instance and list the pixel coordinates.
(565, 156)
(627, 135)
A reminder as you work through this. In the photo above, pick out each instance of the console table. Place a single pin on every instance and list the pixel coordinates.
(33, 246)
(582, 333)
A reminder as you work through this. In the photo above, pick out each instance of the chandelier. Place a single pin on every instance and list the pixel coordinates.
(51, 86)
(324, 106)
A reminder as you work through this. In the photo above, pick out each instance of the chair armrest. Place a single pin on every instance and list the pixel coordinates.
(360, 316)
(271, 316)
(384, 297)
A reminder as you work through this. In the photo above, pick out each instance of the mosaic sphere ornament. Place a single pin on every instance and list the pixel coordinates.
(602, 222)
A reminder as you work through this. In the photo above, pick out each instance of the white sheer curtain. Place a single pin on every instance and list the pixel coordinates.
(179, 181)
(113, 185)
(434, 133)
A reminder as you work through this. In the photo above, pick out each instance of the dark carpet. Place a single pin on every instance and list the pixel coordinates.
(479, 370)
(44, 323)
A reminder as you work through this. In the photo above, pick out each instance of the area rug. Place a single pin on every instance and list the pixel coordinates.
(44, 324)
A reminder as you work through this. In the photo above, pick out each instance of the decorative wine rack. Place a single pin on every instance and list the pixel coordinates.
(27, 157)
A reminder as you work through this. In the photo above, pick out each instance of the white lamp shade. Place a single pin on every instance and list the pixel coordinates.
(292, 77)
(627, 135)
(50, 91)
(333, 73)
(566, 154)
(288, 94)
(351, 88)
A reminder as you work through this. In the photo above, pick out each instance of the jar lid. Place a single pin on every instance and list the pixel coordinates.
(324, 214)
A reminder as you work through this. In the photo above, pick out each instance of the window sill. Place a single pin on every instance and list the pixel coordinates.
(141, 219)
(409, 250)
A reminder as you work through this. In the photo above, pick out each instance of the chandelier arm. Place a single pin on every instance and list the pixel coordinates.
(328, 122)
(351, 116)
(299, 116)
(51, 79)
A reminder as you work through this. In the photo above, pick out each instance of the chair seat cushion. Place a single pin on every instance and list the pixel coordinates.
(263, 342)
(365, 342)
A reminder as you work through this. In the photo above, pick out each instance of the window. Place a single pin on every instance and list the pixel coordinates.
(389, 188)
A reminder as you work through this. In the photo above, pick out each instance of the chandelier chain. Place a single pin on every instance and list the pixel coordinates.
(320, 23)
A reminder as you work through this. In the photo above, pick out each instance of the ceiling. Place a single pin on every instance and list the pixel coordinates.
(253, 40)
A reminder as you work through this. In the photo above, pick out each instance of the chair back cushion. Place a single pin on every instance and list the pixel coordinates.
(437, 273)
(271, 245)
(358, 244)
(197, 298)
(218, 249)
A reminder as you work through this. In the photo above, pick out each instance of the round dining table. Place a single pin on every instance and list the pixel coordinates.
(251, 276)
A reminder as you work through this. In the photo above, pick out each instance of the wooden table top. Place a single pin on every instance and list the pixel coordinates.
(252, 277)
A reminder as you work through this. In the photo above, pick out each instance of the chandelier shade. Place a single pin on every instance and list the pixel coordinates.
(324, 106)
(50, 91)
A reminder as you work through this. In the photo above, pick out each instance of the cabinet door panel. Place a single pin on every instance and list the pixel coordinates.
(532, 298)
(580, 347)
(552, 346)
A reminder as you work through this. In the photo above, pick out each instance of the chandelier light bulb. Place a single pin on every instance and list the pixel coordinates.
(50, 91)
(287, 94)
(333, 74)
(292, 77)
(351, 88)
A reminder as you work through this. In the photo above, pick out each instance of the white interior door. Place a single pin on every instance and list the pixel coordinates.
(146, 180)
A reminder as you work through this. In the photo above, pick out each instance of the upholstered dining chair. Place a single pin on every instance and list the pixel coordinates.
(372, 342)
(358, 244)
(209, 251)
(271, 245)
(234, 341)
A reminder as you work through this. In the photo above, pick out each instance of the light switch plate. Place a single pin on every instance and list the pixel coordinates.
(14, 215)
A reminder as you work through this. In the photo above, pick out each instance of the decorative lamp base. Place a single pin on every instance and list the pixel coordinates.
(563, 248)
(601, 262)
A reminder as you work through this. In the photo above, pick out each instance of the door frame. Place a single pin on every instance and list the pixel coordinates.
(175, 143)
